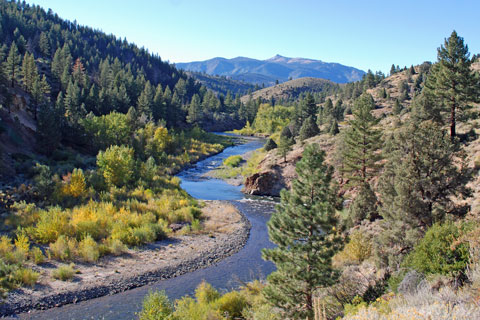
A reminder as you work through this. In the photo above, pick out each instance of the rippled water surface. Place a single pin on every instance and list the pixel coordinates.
(243, 266)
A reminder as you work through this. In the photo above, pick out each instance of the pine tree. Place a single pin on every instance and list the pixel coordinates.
(145, 101)
(451, 83)
(334, 130)
(44, 45)
(29, 72)
(364, 206)
(285, 143)
(308, 129)
(362, 140)
(195, 111)
(303, 228)
(309, 108)
(12, 65)
(40, 91)
(159, 106)
(397, 107)
(393, 70)
(73, 110)
(327, 112)
(423, 173)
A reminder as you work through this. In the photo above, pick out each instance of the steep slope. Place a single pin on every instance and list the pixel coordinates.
(291, 89)
(276, 68)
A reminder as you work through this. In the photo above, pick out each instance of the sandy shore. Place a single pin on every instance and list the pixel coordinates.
(225, 232)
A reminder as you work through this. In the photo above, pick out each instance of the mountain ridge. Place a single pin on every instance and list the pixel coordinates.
(270, 70)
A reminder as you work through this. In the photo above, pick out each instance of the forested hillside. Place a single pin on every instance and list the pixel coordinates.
(69, 71)
(92, 128)
(223, 85)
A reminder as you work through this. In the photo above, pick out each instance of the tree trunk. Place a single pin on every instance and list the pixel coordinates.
(452, 122)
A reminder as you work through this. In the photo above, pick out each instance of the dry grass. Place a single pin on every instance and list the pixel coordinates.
(424, 304)
(220, 217)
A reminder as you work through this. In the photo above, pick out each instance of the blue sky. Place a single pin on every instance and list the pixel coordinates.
(367, 34)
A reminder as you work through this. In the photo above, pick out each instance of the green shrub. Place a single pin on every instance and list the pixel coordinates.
(205, 293)
(438, 253)
(88, 249)
(64, 273)
(117, 247)
(25, 276)
(156, 306)
(269, 145)
(232, 161)
(63, 248)
(37, 256)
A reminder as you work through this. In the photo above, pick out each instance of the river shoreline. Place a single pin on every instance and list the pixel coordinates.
(228, 231)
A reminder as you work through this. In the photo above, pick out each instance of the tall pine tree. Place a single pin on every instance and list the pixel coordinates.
(452, 84)
(303, 228)
(423, 173)
(362, 140)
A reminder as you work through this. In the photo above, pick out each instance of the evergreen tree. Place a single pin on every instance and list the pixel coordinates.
(195, 111)
(303, 228)
(393, 70)
(338, 110)
(145, 101)
(308, 129)
(72, 103)
(334, 130)
(44, 45)
(12, 65)
(285, 143)
(452, 84)
(423, 173)
(362, 140)
(309, 108)
(364, 206)
(40, 93)
(397, 107)
(29, 72)
(327, 112)
(159, 106)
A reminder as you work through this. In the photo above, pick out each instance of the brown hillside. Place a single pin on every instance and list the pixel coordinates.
(291, 89)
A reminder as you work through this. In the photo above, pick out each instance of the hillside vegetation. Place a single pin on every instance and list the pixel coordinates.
(91, 130)
(381, 218)
(292, 90)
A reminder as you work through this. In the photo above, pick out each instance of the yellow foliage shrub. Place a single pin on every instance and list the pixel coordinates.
(52, 223)
(358, 249)
(63, 248)
(88, 249)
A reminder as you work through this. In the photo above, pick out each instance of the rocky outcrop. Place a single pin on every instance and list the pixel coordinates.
(268, 183)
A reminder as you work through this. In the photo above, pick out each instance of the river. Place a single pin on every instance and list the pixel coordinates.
(246, 265)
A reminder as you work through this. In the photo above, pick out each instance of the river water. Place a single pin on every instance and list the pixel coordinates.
(246, 265)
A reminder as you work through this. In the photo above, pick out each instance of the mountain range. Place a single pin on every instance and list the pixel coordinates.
(276, 68)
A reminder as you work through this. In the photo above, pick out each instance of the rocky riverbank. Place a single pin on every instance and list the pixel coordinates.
(225, 232)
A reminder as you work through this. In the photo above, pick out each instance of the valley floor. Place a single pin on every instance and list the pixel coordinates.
(225, 232)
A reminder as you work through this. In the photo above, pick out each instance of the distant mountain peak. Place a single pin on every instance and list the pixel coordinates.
(278, 67)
